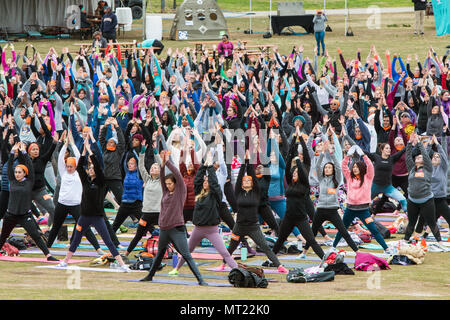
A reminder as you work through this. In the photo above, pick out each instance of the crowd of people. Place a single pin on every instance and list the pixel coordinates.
(219, 135)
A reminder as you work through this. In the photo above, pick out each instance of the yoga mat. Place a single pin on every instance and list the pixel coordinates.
(209, 256)
(371, 246)
(123, 243)
(61, 253)
(311, 259)
(384, 218)
(228, 269)
(213, 250)
(88, 269)
(66, 246)
(182, 282)
(27, 259)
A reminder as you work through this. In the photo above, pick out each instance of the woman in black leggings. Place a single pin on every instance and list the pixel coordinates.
(329, 174)
(296, 216)
(247, 193)
(420, 195)
(21, 181)
(69, 200)
(92, 209)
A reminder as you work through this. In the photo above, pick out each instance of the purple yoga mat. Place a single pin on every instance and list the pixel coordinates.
(182, 282)
(61, 253)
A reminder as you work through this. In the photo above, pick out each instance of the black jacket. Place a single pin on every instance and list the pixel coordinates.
(247, 201)
(39, 165)
(93, 190)
(206, 211)
(419, 5)
(19, 202)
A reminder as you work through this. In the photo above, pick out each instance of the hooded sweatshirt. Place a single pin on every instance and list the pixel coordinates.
(419, 179)
(152, 190)
(439, 175)
(328, 190)
(358, 195)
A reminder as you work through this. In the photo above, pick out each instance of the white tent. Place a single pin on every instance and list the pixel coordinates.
(16, 15)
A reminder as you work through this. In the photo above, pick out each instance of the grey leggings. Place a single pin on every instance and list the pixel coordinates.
(255, 233)
(212, 234)
(177, 236)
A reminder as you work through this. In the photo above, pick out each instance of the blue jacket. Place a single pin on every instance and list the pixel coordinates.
(132, 186)
(109, 23)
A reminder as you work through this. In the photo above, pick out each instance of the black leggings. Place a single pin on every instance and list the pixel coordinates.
(126, 210)
(225, 215)
(146, 223)
(28, 223)
(310, 211)
(266, 214)
(427, 211)
(4, 198)
(116, 188)
(61, 212)
(331, 215)
(441, 209)
(83, 225)
(286, 227)
(177, 237)
(402, 182)
(255, 233)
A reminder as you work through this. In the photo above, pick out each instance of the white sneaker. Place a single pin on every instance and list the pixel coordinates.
(100, 252)
(390, 251)
(332, 249)
(62, 264)
(125, 268)
(329, 243)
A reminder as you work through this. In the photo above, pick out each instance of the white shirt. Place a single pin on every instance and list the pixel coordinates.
(71, 189)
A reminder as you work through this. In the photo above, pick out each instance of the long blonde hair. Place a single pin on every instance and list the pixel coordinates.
(202, 194)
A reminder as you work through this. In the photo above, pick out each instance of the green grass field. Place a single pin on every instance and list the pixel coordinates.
(263, 5)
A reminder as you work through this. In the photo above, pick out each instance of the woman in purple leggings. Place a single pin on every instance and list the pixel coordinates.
(208, 197)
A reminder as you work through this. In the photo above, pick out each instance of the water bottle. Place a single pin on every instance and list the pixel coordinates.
(243, 253)
(174, 260)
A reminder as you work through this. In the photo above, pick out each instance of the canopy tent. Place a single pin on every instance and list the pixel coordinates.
(17, 15)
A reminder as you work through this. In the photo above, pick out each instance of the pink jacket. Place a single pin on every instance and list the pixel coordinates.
(356, 194)
(225, 48)
(364, 261)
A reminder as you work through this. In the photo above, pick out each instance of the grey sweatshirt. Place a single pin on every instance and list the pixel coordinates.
(419, 180)
(319, 23)
(439, 176)
(328, 197)
(152, 189)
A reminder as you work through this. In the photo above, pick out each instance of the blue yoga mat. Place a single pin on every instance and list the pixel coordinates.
(182, 282)
(371, 246)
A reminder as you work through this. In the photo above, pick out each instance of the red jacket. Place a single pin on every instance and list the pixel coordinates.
(189, 180)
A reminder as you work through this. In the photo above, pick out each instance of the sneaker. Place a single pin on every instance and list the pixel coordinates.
(100, 252)
(390, 251)
(267, 263)
(203, 283)
(62, 264)
(302, 256)
(125, 268)
(123, 229)
(133, 225)
(282, 269)
(174, 272)
(221, 267)
(329, 243)
(52, 258)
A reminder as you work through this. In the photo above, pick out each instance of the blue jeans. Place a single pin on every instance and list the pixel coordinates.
(279, 206)
(320, 39)
(363, 215)
(391, 192)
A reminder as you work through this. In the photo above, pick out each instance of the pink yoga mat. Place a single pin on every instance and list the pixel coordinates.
(208, 256)
(228, 269)
(28, 259)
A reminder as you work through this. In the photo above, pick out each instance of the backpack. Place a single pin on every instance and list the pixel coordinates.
(340, 268)
(298, 275)
(240, 277)
(17, 242)
(10, 250)
(385, 233)
(152, 247)
(145, 263)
